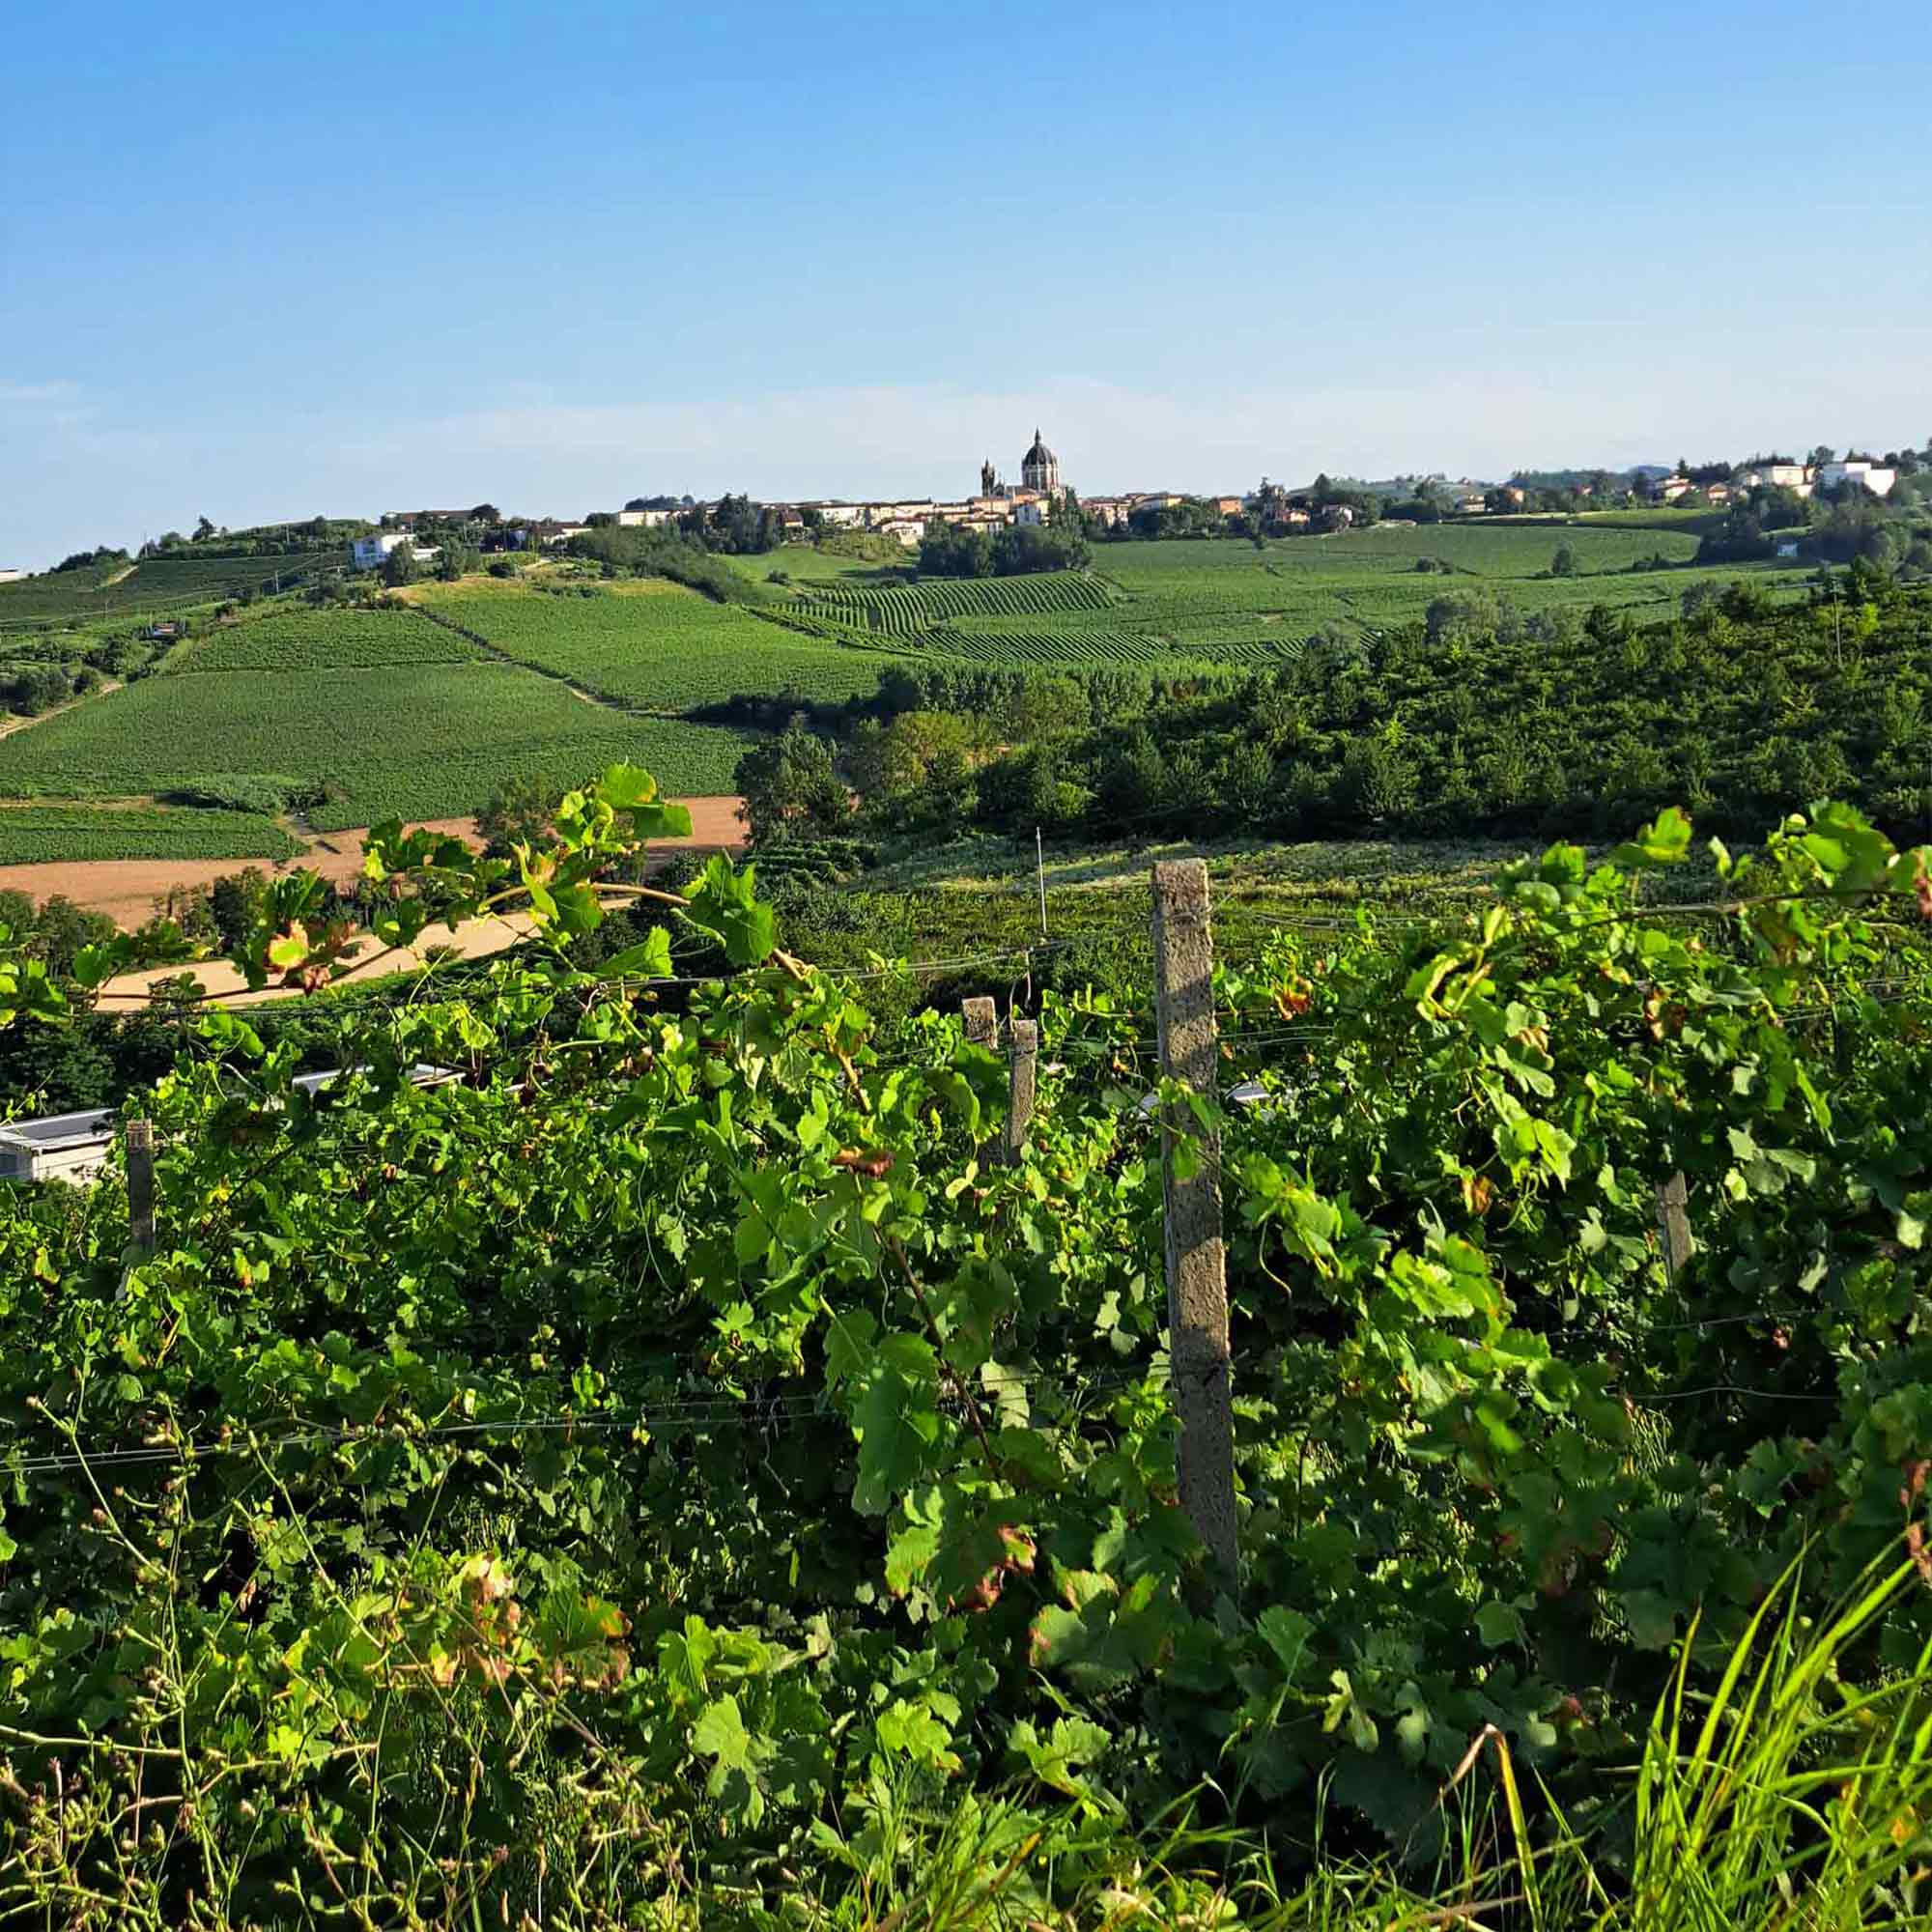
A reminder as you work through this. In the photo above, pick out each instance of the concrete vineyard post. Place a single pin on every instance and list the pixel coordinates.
(982, 1029)
(1673, 1222)
(141, 1187)
(1022, 1075)
(983, 1022)
(1197, 1281)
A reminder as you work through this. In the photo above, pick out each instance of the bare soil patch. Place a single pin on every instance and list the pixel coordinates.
(126, 889)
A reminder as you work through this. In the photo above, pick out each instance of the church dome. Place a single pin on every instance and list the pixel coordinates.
(1038, 454)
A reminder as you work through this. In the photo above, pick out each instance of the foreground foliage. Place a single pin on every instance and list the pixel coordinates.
(674, 1456)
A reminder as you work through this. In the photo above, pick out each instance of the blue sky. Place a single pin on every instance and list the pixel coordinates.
(260, 262)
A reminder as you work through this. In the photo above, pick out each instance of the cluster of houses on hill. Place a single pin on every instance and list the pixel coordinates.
(1801, 479)
(995, 504)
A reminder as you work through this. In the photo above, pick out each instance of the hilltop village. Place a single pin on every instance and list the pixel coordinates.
(1760, 494)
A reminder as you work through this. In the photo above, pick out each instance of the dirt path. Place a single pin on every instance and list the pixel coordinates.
(126, 889)
(476, 940)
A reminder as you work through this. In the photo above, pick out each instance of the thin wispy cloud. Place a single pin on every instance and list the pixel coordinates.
(21, 395)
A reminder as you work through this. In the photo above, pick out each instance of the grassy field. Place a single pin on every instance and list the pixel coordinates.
(36, 833)
(161, 584)
(652, 644)
(422, 740)
(806, 565)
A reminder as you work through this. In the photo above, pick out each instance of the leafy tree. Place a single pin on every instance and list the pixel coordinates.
(1023, 548)
(950, 550)
(1564, 562)
(400, 566)
(60, 930)
(791, 788)
(520, 811)
(234, 903)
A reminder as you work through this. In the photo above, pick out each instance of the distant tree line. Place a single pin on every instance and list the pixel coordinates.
(684, 558)
(1014, 550)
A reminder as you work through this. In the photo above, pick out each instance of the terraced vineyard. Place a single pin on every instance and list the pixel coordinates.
(655, 646)
(44, 834)
(158, 585)
(1181, 604)
(292, 641)
(909, 610)
(420, 740)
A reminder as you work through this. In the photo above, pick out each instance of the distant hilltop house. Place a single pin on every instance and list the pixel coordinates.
(1857, 470)
(1793, 476)
(645, 520)
(407, 520)
(371, 552)
(10, 576)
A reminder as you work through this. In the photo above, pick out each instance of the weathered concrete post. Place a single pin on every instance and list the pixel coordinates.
(141, 1187)
(1023, 1069)
(1197, 1280)
(982, 1029)
(1673, 1222)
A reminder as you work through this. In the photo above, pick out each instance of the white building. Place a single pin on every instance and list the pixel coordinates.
(373, 552)
(62, 1147)
(644, 520)
(1775, 476)
(10, 576)
(879, 515)
(909, 530)
(1857, 469)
